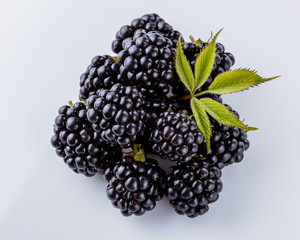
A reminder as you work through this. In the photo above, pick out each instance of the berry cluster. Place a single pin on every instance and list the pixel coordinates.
(133, 186)
(192, 187)
(148, 22)
(80, 147)
(175, 137)
(102, 73)
(135, 107)
(118, 115)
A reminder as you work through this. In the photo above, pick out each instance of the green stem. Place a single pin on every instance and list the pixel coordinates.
(140, 156)
(187, 97)
(135, 148)
(201, 93)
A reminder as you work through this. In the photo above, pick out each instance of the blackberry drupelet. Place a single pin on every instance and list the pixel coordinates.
(148, 22)
(134, 186)
(154, 107)
(76, 142)
(100, 74)
(223, 62)
(228, 144)
(147, 62)
(175, 137)
(192, 186)
(118, 115)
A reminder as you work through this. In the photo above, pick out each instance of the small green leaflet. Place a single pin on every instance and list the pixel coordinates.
(205, 62)
(140, 156)
(237, 80)
(183, 68)
(214, 38)
(204, 65)
(202, 120)
(198, 41)
(114, 58)
(221, 113)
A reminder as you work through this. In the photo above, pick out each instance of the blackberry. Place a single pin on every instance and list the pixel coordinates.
(118, 115)
(76, 142)
(147, 62)
(148, 22)
(191, 187)
(100, 74)
(175, 137)
(223, 62)
(134, 187)
(228, 144)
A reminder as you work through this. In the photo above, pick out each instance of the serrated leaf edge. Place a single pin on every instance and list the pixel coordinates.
(223, 121)
(202, 125)
(199, 66)
(183, 68)
(219, 91)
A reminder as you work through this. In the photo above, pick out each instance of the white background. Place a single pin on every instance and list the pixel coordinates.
(46, 45)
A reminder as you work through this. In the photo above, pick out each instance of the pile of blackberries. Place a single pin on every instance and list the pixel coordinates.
(129, 109)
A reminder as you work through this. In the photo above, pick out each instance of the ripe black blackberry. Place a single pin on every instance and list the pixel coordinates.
(100, 74)
(223, 62)
(134, 186)
(118, 115)
(228, 144)
(148, 22)
(76, 142)
(191, 187)
(175, 137)
(147, 62)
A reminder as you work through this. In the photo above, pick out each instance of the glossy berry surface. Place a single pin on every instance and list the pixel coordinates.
(135, 187)
(118, 115)
(147, 62)
(147, 23)
(228, 144)
(77, 143)
(175, 137)
(100, 74)
(191, 187)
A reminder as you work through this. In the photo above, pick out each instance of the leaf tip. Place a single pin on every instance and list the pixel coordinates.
(252, 129)
(208, 145)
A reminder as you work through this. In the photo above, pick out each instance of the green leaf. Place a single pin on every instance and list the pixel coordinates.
(222, 114)
(217, 34)
(70, 103)
(114, 58)
(140, 156)
(198, 41)
(202, 120)
(205, 62)
(237, 80)
(204, 65)
(211, 36)
(183, 68)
